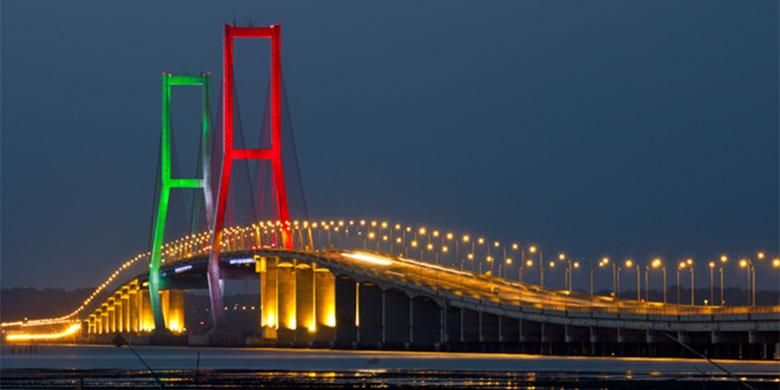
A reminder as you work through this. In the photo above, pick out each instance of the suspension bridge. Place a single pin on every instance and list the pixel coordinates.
(374, 283)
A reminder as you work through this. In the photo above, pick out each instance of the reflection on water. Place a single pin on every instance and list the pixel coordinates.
(371, 378)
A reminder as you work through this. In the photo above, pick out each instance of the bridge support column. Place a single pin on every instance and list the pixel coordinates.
(268, 296)
(125, 309)
(453, 326)
(425, 317)
(119, 313)
(146, 320)
(111, 316)
(488, 328)
(469, 326)
(510, 329)
(306, 322)
(325, 304)
(104, 328)
(346, 310)
(370, 313)
(132, 302)
(173, 309)
(286, 302)
(396, 320)
(91, 324)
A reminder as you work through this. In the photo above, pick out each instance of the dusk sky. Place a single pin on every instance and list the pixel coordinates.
(621, 128)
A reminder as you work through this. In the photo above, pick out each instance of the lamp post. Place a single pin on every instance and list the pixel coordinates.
(572, 266)
(658, 263)
(723, 260)
(711, 264)
(689, 265)
(749, 271)
(630, 264)
(562, 258)
(604, 262)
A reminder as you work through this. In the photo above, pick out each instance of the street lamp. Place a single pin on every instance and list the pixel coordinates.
(630, 264)
(604, 262)
(712, 281)
(723, 260)
(658, 263)
(572, 267)
(750, 272)
(687, 264)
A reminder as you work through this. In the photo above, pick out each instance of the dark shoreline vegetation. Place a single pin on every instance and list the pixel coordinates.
(379, 378)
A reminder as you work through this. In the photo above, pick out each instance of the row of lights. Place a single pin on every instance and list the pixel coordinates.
(234, 238)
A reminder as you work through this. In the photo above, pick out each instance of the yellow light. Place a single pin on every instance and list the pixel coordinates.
(712, 264)
(466, 238)
(656, 263)
(576, 264)
(450, 236)
(436, 233)
(397, 226)
(532, 249)
(760, 255)
(445, 249)
(368, 258)
(529, 263)
(480, 240)
(71, 330)
(562, 256)
(470, 256)
(422, 230)
(430, 247)
(629, 263)
(384, 225)
(515, 246)
(414, 243)
(508, 261)
(723, 258)
(496, 244)
(552, 264)
(371, 235)
(490, 259)
(743, 263)
(605, 260)
(398, 240)
(776, 263)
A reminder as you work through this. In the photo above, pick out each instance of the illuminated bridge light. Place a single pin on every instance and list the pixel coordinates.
(72, 330)
(368, 258)
(245, 260)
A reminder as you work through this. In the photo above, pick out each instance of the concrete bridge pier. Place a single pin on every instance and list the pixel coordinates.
(470, 332)
(324, 306)
(396, 319)
(509, 334)
(119, 313)
(305, 316)
(426, 319)
(111, 315)
(346, 311)
(489, 328)
(370, 326)
(286, 303)
(266, 267)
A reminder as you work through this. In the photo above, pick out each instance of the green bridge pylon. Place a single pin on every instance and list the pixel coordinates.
(169, 182)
